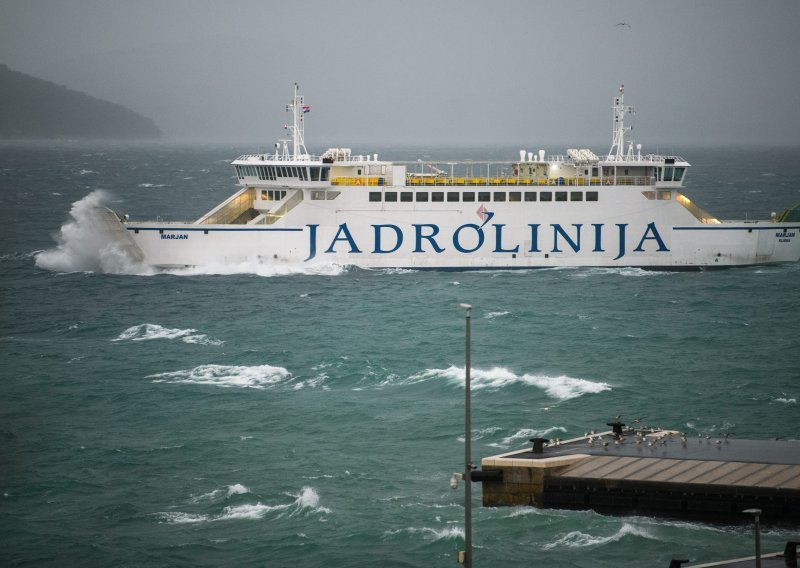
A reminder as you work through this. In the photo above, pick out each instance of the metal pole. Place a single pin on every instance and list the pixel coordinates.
(467, 451)
(756, 513)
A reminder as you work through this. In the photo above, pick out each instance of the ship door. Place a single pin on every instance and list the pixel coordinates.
(766, 243)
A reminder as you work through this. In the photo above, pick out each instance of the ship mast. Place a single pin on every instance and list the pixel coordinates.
(617, 151)
(297, 108)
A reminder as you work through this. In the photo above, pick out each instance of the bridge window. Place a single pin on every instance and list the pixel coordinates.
(452, 196)
(325, 174)
(437, 196)
(530, 196)
(668, 174)
(546, 196)
(678, 174)
(576, 196)
(499, 195)
(406, 196)
(422, 196)
(390, 196)
(373, 195)
(484, 196)
(514, 196)
(561, 195)
(591, 196)
(468, 196)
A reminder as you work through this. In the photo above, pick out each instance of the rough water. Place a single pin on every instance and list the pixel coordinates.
(248, 417)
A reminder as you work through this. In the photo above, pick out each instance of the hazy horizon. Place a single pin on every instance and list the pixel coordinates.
(462, 73)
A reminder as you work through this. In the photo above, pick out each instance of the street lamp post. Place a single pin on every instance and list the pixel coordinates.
(467, 449)
(756, 515)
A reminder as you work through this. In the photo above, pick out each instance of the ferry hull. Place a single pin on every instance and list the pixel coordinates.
(460, 239)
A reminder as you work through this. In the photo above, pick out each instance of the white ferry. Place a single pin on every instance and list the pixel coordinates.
(619, 209)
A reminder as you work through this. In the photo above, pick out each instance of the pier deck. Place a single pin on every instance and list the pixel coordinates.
(653, 471)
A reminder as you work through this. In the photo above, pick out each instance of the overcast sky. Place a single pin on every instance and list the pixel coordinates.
(470, 72)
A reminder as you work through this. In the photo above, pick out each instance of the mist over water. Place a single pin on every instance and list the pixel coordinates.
(313, 418)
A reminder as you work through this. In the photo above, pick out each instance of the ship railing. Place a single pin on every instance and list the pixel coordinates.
(304, 158)
(365, 180)
(416, 180)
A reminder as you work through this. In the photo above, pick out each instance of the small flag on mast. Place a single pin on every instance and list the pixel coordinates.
(306, 108)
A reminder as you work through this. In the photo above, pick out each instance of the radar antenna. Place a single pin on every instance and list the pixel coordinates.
(617, 151)
(298, 108)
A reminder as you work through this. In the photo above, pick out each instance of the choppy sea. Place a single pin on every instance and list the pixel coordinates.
(248, 417)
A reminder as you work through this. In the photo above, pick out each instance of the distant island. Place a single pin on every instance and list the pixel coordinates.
(37, 109)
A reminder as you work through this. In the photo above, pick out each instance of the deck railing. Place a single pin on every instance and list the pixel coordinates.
(446, 181)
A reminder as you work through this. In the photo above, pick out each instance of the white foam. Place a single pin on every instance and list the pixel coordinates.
(149, 331)
(251, 512)
(429, 533)
(622, 271)
(261, 269)
(306, 502)
(526, 434)
(785, 400)
(178, 518)
(577, 539)
(236, 489)
(85, 245)
(492, 315)
(561, 387)
(227, 376)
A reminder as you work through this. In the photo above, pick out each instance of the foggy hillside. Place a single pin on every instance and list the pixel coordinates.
(36, 109)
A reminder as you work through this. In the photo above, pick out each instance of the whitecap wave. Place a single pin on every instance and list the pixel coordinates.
(85, 244)
(786, 400)
(231, 490)
(428, 533)
(305, 503)
(148, 331)
(492, 315)
(526, 434)
(177, 518)
(228, 376)
(578, 539)
(561, 387)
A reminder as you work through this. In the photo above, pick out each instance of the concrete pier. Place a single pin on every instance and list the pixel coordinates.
(651, 471)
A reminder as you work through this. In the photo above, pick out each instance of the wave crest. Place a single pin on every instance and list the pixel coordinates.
(305, 503)
(577, 539)
(148, 331)
(228, 376)
(561, 387)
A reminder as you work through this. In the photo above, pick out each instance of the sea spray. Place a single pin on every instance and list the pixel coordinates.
(85, 244)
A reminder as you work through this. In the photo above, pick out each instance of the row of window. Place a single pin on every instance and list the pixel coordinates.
(273, 173)
(482, 196)
(272, 194)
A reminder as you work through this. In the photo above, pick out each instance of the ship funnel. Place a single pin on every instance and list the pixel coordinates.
(530, 156)
(522, 155)
(541, 155)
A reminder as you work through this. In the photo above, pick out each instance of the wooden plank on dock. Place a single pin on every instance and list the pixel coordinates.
(707, 478)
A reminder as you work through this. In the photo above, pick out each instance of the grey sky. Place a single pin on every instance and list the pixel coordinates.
(469, 72)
